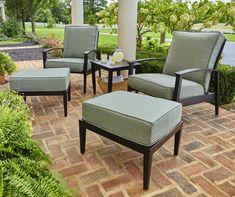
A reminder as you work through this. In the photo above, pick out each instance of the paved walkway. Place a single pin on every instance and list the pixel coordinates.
(204, 167)
(23, 47)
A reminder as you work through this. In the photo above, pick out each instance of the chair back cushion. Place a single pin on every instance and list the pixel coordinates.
(78, 39)
(194, 50)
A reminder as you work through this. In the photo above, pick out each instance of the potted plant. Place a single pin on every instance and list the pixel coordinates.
(7, 66)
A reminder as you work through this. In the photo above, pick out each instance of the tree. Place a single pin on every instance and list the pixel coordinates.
(109, 17)
(91, 7)
(35, 7)
(18, 10)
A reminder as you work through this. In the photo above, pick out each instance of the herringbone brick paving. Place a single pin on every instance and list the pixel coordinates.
(205, 165)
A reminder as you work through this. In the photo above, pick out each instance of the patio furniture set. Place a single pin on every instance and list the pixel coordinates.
(141, 122)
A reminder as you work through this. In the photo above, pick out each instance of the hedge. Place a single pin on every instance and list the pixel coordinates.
(227, 73)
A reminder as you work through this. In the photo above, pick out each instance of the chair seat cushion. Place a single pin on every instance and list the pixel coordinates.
(34, 80)
(139, 118)
(161, 85)
(75, 64)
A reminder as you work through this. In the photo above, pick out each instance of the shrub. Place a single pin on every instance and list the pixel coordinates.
(7, 65)
(23, 166)
(227, 83)
(53, 42)
(11, 28)
(107, 49)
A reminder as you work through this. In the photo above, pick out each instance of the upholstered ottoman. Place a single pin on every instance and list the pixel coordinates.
(140, 122)
(38, 82)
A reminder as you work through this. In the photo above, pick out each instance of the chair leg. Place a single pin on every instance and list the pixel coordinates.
(82, 133)
(217, 93)
(65, 99)
(147, 168)
(69, 92)
(177, 142)
(85, 82)
(99, 72)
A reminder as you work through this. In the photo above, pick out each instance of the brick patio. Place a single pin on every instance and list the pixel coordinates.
(204, 167)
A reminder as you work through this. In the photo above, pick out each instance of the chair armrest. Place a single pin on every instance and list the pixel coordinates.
(86, 53)
(179, 77)
(191, 70)
(137, 63)
(44, 54)
(51, 49)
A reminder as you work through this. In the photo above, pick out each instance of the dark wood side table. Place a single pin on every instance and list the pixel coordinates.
(117, 67)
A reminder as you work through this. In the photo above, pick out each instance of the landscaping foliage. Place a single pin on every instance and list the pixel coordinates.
(23, 165)
(11, 28)
(7, 65)
(52, 42)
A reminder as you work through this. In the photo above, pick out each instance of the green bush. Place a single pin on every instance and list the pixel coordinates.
(24, 167)
(11, 28)
(7, 65)
(227, 83)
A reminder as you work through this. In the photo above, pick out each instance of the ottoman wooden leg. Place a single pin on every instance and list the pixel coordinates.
(82, 133)
(177, 142)
(147, 168)
(69, 92)
(65, 99)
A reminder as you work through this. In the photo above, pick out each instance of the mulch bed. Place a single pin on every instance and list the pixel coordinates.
(25, 54)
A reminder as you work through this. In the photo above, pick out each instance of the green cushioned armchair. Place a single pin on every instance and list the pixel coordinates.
(80, 46)
(190, 65)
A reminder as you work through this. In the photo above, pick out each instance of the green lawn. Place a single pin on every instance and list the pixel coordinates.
(103, 38)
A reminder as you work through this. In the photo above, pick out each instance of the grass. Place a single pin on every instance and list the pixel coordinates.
(103, 38)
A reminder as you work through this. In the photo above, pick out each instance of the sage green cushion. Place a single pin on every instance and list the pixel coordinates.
(161, 85)
(75, 64)
(139, 118)
(78, 39)
(34, 80)
(194, 50)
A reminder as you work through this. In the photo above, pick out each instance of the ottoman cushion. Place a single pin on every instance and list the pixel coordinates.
(139, 118)
(35, 80)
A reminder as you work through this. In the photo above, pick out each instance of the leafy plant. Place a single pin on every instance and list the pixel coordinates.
(11, 28)
(23, 165)
(53, 42)
(7, 65)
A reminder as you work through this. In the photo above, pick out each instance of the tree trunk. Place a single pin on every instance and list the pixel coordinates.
(23, 22)
(32, 16)
(162, 37)
(33, 24)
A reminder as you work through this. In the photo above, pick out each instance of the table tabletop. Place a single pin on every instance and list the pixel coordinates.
(123, 65)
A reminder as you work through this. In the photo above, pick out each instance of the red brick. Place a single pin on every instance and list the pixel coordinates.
(204, 158)
(133, 170)
(74, 170)
(208, 187)
(108, 185)
(127, 155)
(217, 174)
(194, 169)
(56, 151)
(113, 165)
(93, 160)
(230, 154)
(228, 188)
(117, 194)
(73, 155)
(226, 162)
(94, 191)
(169, 164)
(39, 136)
(215, 149)
(94, 176)
(159, 178)
(169, 193)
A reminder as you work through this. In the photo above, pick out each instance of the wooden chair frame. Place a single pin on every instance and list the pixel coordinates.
(178, 82)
